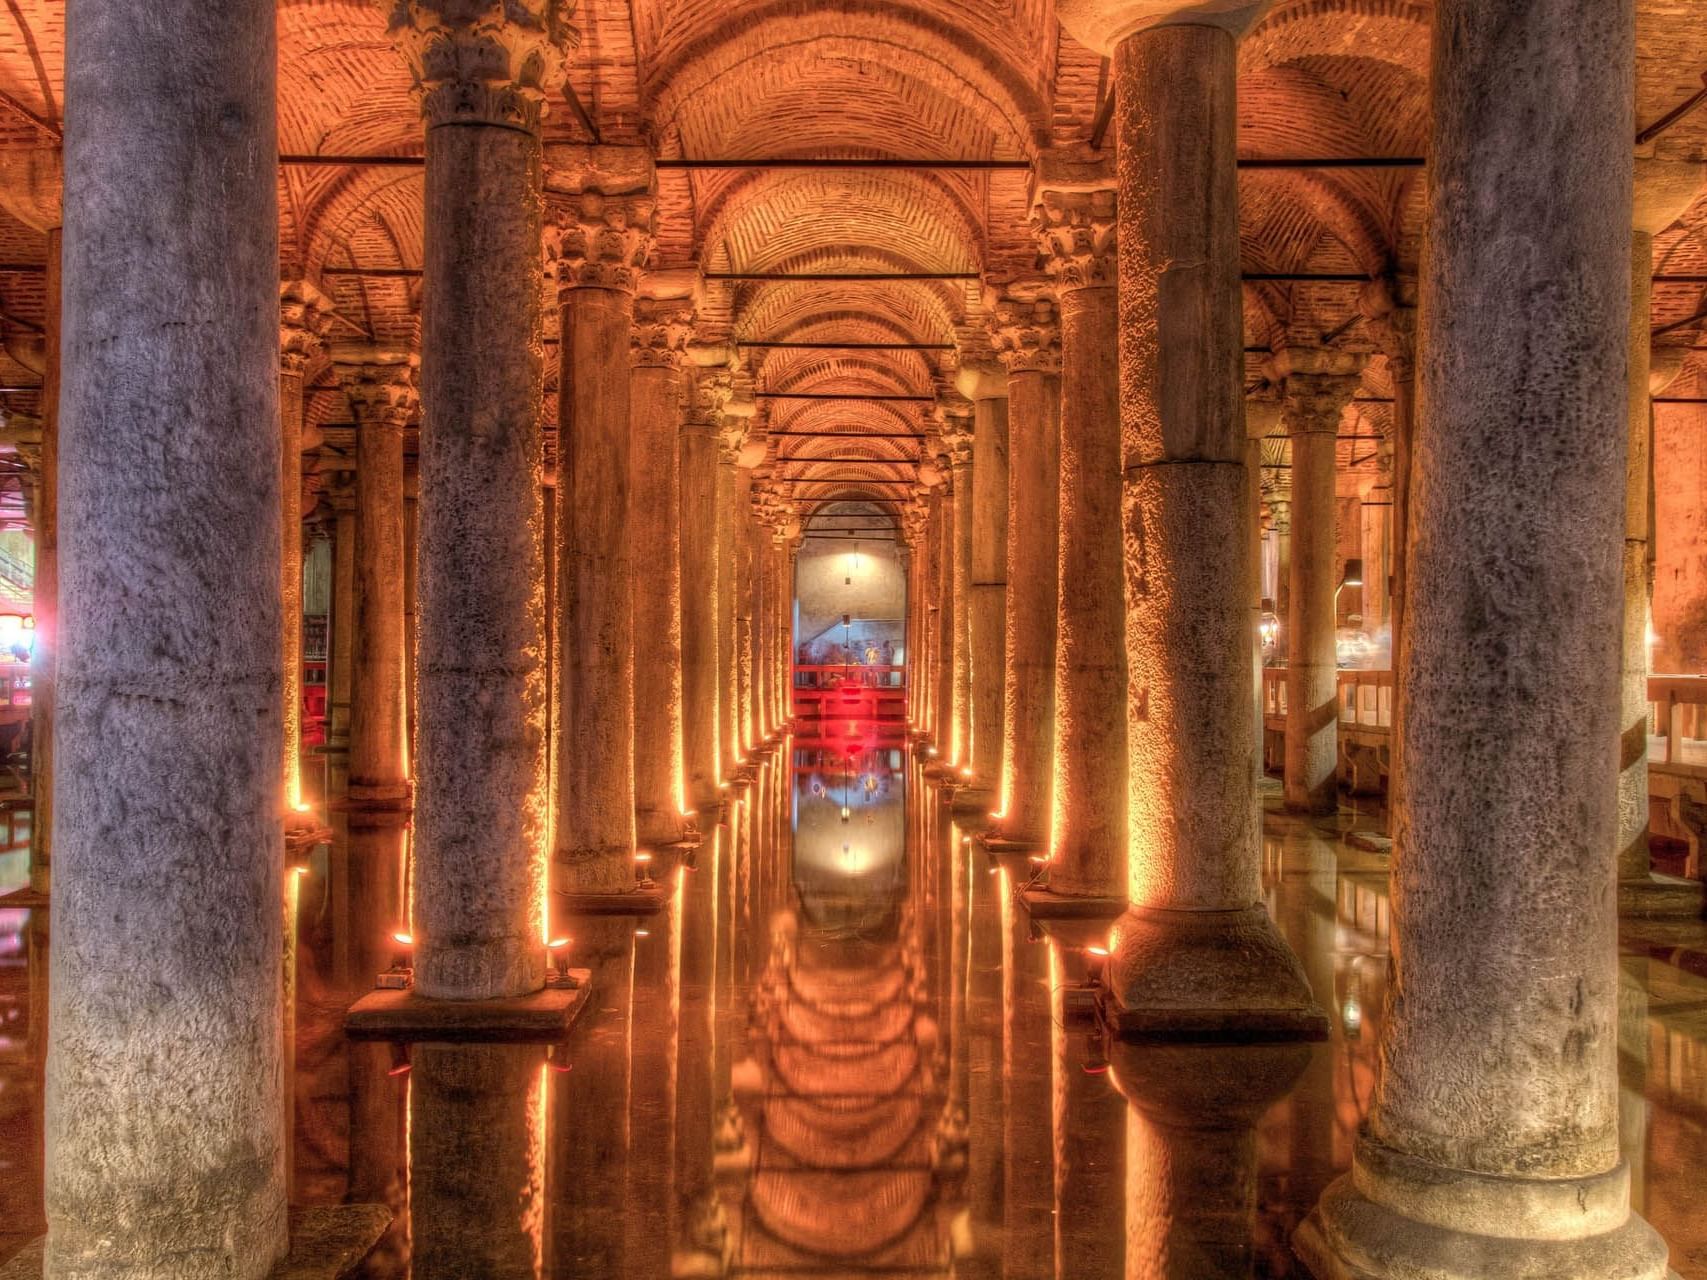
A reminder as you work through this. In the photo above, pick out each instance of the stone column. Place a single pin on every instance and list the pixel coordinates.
(661, 332)
(1073, 214)
(987, 388)
(482, 71)
(305, 314)
(1319, 384)
(958, 432)
(942, 684)
(742, 561)
(729, 508)
(341, 643)
(1195, 953)
(701, 589)
(758, 636)
(164, 1116)
(787, 546)
(1663, 191)
(1511, 671)
(1028, 342)
(600, 242)
(382, 391)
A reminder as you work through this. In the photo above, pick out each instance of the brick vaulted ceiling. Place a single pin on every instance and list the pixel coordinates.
(754, 79)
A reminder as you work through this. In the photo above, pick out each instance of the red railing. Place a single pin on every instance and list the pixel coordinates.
(850, 690)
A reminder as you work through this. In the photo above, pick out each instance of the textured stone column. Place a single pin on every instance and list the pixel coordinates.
(1028, 342)
(1195, 953)
(758, 637)
(732, 482)
(661, 331)
(787, 546)
(942, 682)
(305, 314)
(958, 431)
(987, 388)
(1495, 1152)
(382, 390)
(743, 573)
(1663, 191)
(1319, 384)
(700, 588)
(164, 1116)
(341, 498)
(483, 71)
(1074, 218)
(600, 243)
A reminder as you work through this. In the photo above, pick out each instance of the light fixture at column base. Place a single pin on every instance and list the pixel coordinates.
(540, 1017)
(1520, 1228)
(1045, 904)
(1225, 976)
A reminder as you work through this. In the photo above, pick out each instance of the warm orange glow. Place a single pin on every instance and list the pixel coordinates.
(299, 870)
(643, 858)
(558, 943)
(1039, 859)
(1097, 951)
(404, 939)
(302, 806)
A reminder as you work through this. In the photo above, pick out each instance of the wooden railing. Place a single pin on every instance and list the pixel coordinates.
(1366, 700)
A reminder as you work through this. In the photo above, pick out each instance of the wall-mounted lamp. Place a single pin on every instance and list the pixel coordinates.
(1353, 577)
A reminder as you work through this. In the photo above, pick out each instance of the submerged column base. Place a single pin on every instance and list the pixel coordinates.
(1206, 975)
(1395, 1217)
(543, 1016)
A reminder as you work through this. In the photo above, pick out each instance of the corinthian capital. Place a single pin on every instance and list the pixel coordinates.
(383, 386)
(1319, 384)
(484, 61)
(1075, 233)
(305, 314)
(595, 241)
(659, 339)
(1025, 334)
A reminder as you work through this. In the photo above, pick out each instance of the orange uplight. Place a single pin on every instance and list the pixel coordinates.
(643, 858)
(401, 1069)
(299, 871)
(966, 771)
(643, 933)
(557, 943)
(1097, 951)
(1039, 859)
(405, 939)
(302, 806)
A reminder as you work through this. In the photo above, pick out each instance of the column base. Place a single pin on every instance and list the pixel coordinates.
(996, 843)
(1657, 897)
(376, 795)
(645, 899)
(973, 802)
(1042, 903)
(540, 1017)
(1395, 1217)
(326, 1243)
(1206, 975)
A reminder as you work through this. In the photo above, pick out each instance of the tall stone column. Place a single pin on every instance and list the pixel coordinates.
(1319, 384)
(164, 1116)
(1663, 191)
(482, 72)
(942, 690)
(957, 431)
(305, 314)
(341, 498)
(742, 560)
(787, 546)
(382, 390)
(730, 500)
(1074, 216)
(661, 331)
(701, 589)
(1195, 953)
(1495, 1153)
(600, 242)
(987, 388)
(1028, 342)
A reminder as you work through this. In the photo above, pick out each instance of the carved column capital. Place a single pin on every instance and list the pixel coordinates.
(383, 387)
(1025, 334)
(1318, 384)
(1075, 231)
(305, 315)
(595, 241)
(484, 61)
(659, 338)
(1389, 307)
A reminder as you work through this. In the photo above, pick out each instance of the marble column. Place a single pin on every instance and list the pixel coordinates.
(483, 71)
(1511, 671)
(701, 589)
(1664, 190)
(1196, 953)
(382, 391)
(661, 331)
(305, 315)
(987, 388)
(600, 243)
(1319, 385)
(1028, 342)
(1074, 216)
(758, 638)
(164, 1116)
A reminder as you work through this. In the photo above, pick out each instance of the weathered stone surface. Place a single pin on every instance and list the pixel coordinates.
(169, 675)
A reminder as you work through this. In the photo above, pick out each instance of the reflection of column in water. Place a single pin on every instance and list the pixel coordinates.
(1089, 1125)
(982, 1061)
(1304, 907)
(652, 1091)
(1191, 1171)
(702, 1228)
(477, 1161)
(1633, 1075)
(378, 1168)
(1028, 1190)
(589, 1132)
